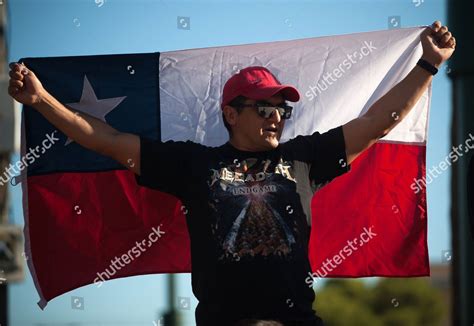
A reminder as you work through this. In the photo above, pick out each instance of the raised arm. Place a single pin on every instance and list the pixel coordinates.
(389, 110)
(84, 129)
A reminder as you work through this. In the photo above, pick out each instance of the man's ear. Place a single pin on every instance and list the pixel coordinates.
(230, 114)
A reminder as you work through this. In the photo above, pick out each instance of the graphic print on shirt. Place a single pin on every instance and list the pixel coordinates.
(252, 217)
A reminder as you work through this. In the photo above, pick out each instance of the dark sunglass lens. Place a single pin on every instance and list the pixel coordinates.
(268, 111)
(287, 113)
(262, 111)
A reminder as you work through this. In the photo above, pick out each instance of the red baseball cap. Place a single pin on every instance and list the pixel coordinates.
(256, 83)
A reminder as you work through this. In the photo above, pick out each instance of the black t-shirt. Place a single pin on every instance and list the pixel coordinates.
(247, 217)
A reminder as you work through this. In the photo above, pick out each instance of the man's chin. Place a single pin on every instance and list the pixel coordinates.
(272, 142)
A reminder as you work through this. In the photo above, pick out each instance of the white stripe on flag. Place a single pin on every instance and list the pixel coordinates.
(339, 78)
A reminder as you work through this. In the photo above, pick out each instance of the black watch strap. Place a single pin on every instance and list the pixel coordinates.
(427, 66)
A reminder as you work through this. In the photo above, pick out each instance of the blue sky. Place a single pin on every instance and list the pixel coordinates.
(69, 28)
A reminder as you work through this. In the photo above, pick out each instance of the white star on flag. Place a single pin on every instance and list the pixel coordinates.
(92, 106)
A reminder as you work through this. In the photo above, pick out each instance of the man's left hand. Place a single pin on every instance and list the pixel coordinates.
(438, 44)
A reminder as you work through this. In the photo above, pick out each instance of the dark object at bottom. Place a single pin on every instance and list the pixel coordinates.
(258, 322)
(470, 194)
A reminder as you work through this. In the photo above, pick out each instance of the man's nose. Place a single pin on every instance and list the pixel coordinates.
(275, 116)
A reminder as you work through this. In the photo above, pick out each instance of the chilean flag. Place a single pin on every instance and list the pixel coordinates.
(83, 210)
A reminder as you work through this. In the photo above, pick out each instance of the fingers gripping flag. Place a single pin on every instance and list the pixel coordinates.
(83, 210)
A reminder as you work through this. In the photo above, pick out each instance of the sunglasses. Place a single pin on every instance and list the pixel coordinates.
(266, 110)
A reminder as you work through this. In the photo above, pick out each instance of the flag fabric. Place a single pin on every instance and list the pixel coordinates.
(83, 210)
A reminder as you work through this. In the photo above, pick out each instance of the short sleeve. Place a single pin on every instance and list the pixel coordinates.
(323, 154)
(329, 156)
(165, 166)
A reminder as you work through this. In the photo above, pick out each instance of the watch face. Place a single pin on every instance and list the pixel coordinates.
(427, 66)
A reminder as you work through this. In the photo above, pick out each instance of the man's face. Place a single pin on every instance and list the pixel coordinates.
(252, 132)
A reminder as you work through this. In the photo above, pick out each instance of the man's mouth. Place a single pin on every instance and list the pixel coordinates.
(271, 129)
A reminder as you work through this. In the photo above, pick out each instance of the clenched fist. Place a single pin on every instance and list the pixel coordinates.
(24, 86)
(438, 43)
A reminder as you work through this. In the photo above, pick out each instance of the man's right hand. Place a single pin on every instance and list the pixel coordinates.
(24, 86)
(84, 129)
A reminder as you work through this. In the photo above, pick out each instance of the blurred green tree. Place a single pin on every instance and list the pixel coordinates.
(390, 302)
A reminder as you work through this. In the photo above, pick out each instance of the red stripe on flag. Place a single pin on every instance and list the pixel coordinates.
(375, 197)
(79, 222)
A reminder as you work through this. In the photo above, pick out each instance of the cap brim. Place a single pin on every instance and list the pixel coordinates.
(288, 92)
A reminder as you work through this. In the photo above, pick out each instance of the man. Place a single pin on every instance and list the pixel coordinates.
(247, 200)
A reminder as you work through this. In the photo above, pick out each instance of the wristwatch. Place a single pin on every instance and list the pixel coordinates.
(427, 66)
